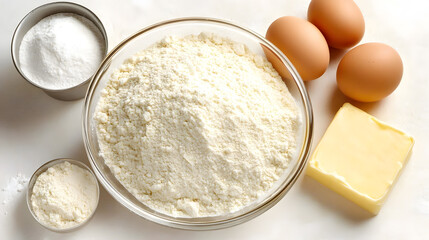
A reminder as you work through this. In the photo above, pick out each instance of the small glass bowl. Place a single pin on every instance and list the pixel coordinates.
(41, 170)
(182, 27)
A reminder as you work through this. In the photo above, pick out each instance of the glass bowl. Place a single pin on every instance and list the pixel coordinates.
(181, 27)
(43, 169)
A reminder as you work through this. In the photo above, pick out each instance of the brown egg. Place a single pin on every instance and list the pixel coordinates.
(340, 21)
(302, 43)
(369, 72)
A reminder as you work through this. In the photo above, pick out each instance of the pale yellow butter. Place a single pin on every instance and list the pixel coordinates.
(360, 157)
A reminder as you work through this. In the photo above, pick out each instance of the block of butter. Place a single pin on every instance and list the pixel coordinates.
(360, 157)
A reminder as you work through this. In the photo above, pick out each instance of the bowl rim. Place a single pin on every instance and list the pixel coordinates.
(43, 169)
(218, 224)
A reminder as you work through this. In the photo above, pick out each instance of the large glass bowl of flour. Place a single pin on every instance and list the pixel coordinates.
(184, 27)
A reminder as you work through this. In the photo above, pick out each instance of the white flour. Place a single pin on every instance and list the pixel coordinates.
(64, 195)
(196, 126)
(61, 51)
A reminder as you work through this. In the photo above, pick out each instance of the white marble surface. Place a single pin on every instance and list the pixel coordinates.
(35, 128)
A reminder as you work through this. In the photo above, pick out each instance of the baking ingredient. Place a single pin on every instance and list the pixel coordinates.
(61, 51)
(340, 21)
(64, 196)
(369, 72)
(196, 126)
(15, 186)
(360, 157)
(302, 43)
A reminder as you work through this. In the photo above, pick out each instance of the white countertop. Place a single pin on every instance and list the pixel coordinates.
(35, 128)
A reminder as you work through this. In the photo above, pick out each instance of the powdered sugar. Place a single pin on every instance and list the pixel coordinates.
(61, 51)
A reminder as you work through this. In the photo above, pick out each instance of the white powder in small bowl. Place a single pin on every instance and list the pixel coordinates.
(64, 196)
(61, 51)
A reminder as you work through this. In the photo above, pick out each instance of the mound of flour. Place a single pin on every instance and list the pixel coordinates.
(196, 126)
(64, 196)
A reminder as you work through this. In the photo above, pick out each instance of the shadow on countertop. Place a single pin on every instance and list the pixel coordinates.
(333, 201)
(23, 105)
(337, 99)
